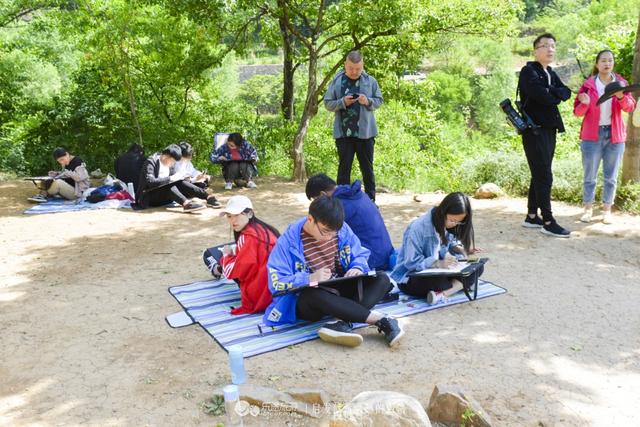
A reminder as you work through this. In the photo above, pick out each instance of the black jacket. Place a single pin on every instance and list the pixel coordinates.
(539, 99)
(128, 167)
(149, 179)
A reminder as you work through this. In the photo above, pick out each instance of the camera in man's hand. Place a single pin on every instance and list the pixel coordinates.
(519, 120)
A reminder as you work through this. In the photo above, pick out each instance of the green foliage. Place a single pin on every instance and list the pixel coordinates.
(628, 198)
(214, 406)
(261, 92)
(453, 93)
(511, 172)
(97, 75)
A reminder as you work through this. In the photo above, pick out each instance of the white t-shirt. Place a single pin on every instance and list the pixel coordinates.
(187, 168)
(164, 171)
(605, 107)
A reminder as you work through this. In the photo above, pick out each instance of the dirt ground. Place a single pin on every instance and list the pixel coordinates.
(83, 298)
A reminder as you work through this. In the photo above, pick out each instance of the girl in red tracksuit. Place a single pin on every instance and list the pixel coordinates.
(247, 262)
(602, 133)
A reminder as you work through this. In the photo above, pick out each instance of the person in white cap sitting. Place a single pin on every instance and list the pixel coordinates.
(246, 262)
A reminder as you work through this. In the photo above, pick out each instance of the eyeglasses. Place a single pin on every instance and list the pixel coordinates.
(325, 233)
(546, 46)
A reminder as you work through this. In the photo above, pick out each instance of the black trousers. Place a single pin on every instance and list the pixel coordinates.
(363, 149)
(179, 192)
(540, 150)
(232, 171)
(315, 303)
(421, 286)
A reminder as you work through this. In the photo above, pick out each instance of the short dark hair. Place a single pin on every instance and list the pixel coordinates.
(59, 152)
(543, 36)
(186, 149)
(136, 148)
(328, 212)
(355, 57)
(455, 204)
(236, 138)
(317, 184)
(174, 151)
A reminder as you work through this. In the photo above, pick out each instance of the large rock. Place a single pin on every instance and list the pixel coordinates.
(450, 405)
(302, 401)
(314, 397)
(381, 409)
(488, 191)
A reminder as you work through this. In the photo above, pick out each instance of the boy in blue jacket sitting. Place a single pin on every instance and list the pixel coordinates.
(312, 250)
(361, 214)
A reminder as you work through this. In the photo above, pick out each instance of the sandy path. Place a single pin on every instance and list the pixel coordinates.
(83, 298)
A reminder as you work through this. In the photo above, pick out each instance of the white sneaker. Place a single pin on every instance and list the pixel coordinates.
(607, 217)
(228, 185)
(586, 216)
(38, 198)
(251, 184)
(435, 297)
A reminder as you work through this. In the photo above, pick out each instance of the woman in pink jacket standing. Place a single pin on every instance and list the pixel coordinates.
(603, 133)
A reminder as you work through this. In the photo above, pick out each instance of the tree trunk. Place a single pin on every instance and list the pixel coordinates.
(631, 161)
(310, 110)
(287, 71)
(126, 74)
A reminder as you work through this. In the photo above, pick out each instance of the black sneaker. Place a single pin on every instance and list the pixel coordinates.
(213, 202)
(535, 222)
(192, 207)
(391, 329)
(340, 332)
(554, 229)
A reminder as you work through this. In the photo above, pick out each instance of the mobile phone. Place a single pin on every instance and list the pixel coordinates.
(355, 95)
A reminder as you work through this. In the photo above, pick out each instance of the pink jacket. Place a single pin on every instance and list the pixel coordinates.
(591, 112)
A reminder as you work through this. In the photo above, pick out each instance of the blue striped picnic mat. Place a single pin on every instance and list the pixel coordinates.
(61, 205)
(208, 303)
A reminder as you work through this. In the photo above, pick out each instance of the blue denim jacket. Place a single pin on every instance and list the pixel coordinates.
(421, 247)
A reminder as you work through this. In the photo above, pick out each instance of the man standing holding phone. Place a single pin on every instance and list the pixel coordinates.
(353, 95)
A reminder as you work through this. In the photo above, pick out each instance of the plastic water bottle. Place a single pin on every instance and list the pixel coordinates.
(236, 363)
(231, 399)
(130, 190)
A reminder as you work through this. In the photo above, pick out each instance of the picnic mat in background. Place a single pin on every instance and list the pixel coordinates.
(61, 205)
(208, 303)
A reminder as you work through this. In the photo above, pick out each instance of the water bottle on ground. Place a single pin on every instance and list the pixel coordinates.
(231, 399)
(130, 190)
(236, 363)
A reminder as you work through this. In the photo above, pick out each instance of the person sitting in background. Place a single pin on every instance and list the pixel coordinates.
(238, 159)
(246, 262)
(159, 184)
(70, 183)
(437, 239)
(361, 214)
(312, 250)
(184, 165)
(128, 165)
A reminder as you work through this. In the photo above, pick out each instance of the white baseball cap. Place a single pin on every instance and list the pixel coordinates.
(236, 205)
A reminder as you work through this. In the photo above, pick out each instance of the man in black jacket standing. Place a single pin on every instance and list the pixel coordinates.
(541, 91)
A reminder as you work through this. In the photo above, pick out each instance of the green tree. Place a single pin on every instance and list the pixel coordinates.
(631, 160)
(326, 31)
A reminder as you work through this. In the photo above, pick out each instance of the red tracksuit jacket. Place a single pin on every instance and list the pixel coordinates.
(249, 268)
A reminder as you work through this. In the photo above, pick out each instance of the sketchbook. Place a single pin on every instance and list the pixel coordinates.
(459, 269)
(332, 281)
